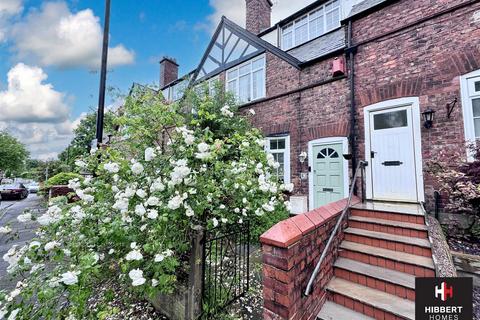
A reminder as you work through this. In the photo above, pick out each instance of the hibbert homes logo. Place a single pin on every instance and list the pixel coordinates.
(443, 298)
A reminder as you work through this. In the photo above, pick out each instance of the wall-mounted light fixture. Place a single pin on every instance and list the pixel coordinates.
(302, 157)
(428, 116)
(451, 106)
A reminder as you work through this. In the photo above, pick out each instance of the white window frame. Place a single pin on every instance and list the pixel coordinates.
(466, 83)
(252, 71)
(286, 154)
(292, 25)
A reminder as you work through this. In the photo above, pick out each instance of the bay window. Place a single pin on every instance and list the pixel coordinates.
(312, 25)
(247, 81)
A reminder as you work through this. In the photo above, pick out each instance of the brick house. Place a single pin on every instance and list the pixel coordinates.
(385, 60)
(333, 84)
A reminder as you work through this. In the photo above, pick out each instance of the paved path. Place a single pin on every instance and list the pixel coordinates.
(9, 211)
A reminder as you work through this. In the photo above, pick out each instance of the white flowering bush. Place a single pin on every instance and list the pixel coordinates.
(172, 167)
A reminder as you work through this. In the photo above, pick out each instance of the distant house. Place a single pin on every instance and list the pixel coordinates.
(353, 80)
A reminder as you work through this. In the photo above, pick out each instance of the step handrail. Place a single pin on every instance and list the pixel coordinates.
(360, 167)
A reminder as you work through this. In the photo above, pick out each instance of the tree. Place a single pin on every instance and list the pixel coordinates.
(83, 136)
(13, 155)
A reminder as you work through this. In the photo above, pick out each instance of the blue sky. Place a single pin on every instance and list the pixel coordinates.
(50, 53)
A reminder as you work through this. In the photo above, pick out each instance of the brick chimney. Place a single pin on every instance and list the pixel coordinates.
(168, 71)
(259, 15)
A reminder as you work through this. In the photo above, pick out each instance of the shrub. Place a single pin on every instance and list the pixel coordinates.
(169, 170)
(62, 179)
(460, 180)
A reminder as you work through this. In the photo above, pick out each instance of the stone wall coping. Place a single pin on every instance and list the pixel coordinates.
(289, 231)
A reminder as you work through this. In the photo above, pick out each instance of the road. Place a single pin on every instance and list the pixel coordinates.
(9, 211)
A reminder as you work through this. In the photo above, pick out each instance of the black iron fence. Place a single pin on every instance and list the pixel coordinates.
(226, 266)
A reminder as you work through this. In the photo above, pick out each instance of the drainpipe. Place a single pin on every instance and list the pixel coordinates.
(353, 119)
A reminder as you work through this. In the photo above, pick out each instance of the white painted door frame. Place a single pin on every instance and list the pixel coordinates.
(414, 103)
(326, 141)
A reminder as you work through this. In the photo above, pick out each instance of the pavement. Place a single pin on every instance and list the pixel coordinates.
(9, 211)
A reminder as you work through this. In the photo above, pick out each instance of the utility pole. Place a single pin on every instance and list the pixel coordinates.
(103, 74)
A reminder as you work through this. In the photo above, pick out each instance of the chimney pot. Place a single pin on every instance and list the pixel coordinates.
(259, 15)
(168, 71)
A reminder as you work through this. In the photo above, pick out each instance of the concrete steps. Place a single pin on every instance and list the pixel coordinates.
(386, 280)
(368, 301)
(410, 245)
(332, 311)
(386, 246)
(413, 230)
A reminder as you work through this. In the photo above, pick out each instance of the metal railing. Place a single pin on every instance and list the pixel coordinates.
(360, 168)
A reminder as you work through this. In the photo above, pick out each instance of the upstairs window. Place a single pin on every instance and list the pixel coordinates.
(312, 25)
(247, 81)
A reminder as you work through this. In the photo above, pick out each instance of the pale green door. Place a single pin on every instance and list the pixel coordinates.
(328, 177)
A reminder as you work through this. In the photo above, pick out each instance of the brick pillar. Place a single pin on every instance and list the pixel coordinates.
(168, 71)
(259, 15)
(290, 251)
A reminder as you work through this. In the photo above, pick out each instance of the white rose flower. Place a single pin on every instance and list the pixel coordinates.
(226, 111)
(51, 245)
(157, 185)
(252, 112)
(175, 203)
(288, 187)
(111, 167)
(154, 283)
(141, 193)
(137, 168)
(80, 164)
(111, 251)
(215, 222)
(69, 278)
(153, 202)
(134, 255)
(224, 220)
(189, 140)
(137, 277)
(149, 154)
(34, 244)
(159, 257)
(140, 210)
(189, 211)
(268, 207)
(152, 214)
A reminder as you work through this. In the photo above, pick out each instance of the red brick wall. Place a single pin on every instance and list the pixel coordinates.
(168, 71)
(259, 14)
(291, 250)
(313, 113)
(423, 61)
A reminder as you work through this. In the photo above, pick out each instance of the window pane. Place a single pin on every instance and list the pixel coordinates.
(476, 107)
(301, 32)
(245, 69)
(316, 27)
(273, 144)
(281, 144)
(476, 124)
(477, 86)
(258, 84)
(390, 120)
(244, 88)
(232, 74)
(287, 40)
(333, 19)
(257, 64)
(232, 86)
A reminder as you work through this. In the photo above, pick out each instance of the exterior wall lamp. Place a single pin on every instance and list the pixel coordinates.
(428, 116)
(302, 157)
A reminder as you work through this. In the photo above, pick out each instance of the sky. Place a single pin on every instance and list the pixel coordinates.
(50, 56)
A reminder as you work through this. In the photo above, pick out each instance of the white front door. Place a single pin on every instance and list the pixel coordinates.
(392, 155)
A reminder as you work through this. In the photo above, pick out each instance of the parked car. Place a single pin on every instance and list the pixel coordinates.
(13, 191)
(33, 187)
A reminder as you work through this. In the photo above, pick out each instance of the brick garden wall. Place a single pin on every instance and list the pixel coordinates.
(291, 250)
(424, 61)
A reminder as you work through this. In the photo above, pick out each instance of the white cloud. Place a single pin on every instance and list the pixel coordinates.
(235, 10)
(8, 9)
(54, 36)
(35, 112)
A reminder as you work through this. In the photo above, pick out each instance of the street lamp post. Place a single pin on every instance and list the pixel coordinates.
(103, 74)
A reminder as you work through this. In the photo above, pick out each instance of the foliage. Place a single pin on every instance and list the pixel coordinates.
(13, 155)
(83, 136)
(460, 179)
(62, 178)
(167, 172)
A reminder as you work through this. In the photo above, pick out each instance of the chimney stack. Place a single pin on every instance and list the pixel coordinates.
(168, 71)
(259, 15)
